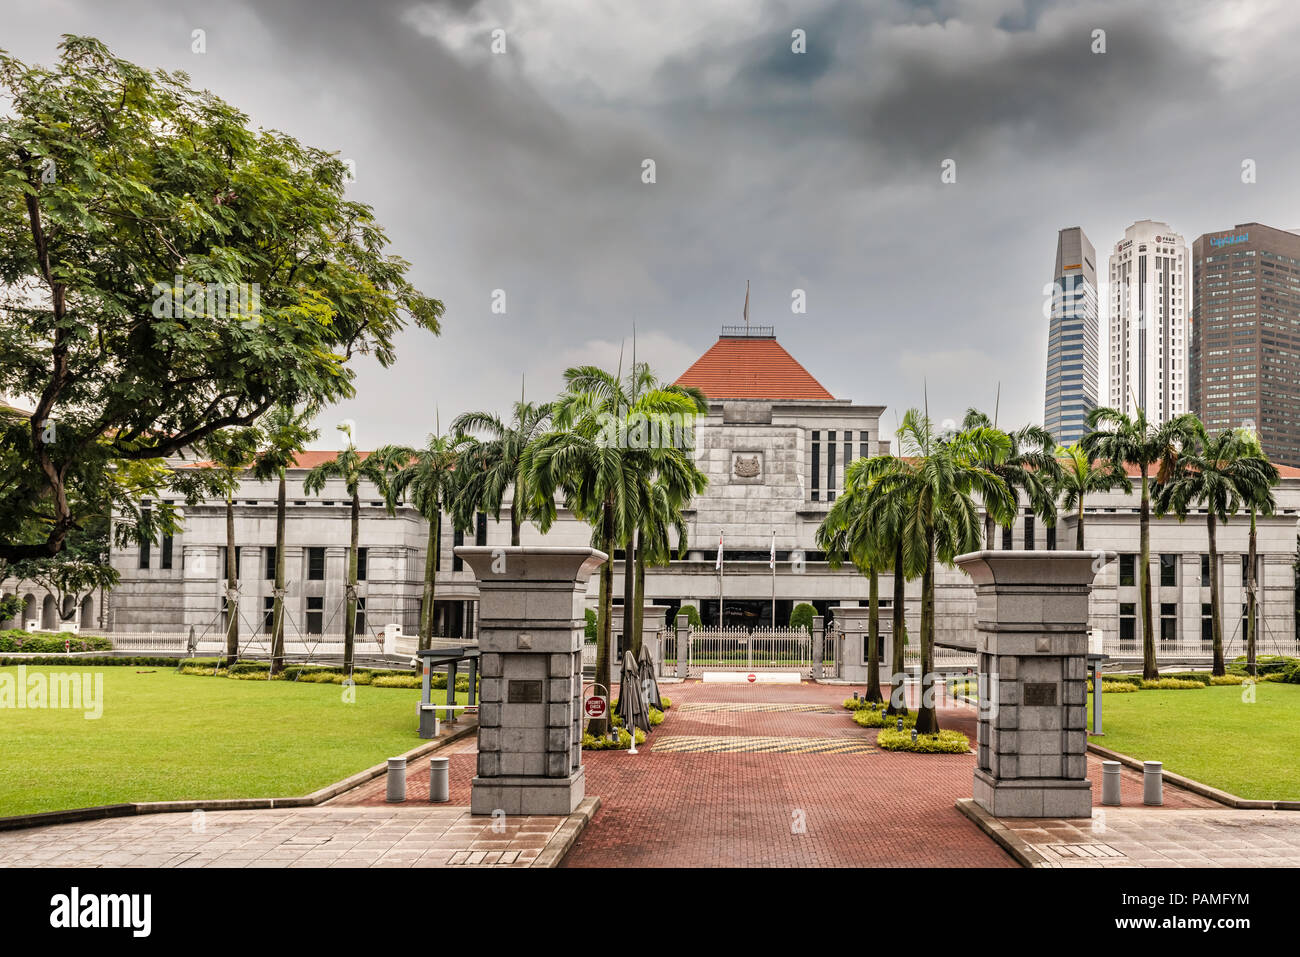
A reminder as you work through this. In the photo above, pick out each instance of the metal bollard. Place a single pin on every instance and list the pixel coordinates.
(1153, 783)
(1110, 783)
(439, 783)
(396, 779)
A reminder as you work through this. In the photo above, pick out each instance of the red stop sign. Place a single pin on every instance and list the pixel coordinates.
(594, 707)
(752, 678)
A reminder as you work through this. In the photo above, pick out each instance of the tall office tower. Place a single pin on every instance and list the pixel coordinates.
(1149, 276)
(1245, 349)
(1072, 350)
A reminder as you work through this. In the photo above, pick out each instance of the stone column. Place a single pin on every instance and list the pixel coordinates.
(1031, 619)
(653, 618)
(683, 643)
(853, 625)
(531, 624)
(818, 644)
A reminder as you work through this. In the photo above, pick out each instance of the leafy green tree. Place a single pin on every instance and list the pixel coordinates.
(492, 465)
(284, 433)
(166, 272)
(1028, 465)
(427, 478)
(801, 616)
(929, 492)
(1120, 439)
(1080, 477)
(352, 467)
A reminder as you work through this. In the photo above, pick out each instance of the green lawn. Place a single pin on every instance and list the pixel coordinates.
(1211, 735)
(164, 736)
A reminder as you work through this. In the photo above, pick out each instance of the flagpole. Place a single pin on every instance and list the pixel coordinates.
(773, 564)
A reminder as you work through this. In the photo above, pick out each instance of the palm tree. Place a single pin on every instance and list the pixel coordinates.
(284, 433)
(929, 492)
(352, 467)
(231, 452)
(661, 513)
(588, 457)
(427, 477)
(1120, 439)
(1219, 473)
(493, 463)
(1029, 465)
(1257, 494)
(1079, 477)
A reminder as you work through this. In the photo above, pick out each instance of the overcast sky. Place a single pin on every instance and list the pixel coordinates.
(522, 171)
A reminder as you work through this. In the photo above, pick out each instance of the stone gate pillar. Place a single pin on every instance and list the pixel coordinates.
(1031, 620)
(853, 621)
(683, 644)
(818, 644)
(530, 628)
(653, 618)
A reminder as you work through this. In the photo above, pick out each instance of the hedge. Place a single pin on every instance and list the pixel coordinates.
(1264, 664)
(945, 742)
(51, 642)
(134, 661)
(866, 718)
(624, 741)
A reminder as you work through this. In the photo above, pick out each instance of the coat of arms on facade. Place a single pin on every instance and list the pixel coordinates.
(746, 467)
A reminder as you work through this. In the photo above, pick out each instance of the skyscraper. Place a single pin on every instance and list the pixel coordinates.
(1245, 346)
(1149, 276)
(1072, 351)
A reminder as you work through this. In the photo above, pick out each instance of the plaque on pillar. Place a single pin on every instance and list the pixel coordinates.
(1031, 637)
(531, 625)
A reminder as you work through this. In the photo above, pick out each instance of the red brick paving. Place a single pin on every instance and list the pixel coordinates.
(707, 810)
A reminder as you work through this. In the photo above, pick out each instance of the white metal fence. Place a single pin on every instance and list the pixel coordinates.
(743, 649)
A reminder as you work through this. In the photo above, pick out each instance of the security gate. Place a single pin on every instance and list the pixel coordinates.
(744, 649)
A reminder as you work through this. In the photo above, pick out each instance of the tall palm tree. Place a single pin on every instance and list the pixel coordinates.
(1028, 465)
(588, 457)
(1259, 500)
(284, 433)
(427, 478)
(1079, 477)
(1120, 440)
(1219, 474)
(492, 464)
(929, 491)
(231, 452)
(661, 514)
(353, 468)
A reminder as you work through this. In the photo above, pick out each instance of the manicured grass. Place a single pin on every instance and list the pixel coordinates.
(1213, 736)
(164, 736)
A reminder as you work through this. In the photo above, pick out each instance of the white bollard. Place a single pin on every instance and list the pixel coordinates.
(1153, 783)
(396, 779)
(1110, 783)
(439, 780)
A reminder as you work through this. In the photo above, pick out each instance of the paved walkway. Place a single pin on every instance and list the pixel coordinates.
(325, 836)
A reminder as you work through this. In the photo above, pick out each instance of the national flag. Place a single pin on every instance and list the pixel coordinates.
(718, 563)
(771, 559)
(746, 302)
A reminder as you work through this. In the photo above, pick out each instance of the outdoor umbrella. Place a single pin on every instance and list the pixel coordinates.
(649, 685)
(631, 703)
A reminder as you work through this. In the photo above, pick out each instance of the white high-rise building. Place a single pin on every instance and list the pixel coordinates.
(1148, 300)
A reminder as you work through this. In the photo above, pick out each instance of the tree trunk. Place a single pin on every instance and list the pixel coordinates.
(1149, 670)
(873, 636)
(1251, 600)
(629, 594)
(1216, 620)
(430, 579)
(605, 614)
(897, 703)
(232, 583)
(638, 599)
(514, 517)
(350, 619)
(277, 603)
(1078, 528)
(927, 718)
(988, 529)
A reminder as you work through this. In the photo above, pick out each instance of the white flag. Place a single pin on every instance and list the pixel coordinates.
(746, 302)
(771, 559)
(718, 563)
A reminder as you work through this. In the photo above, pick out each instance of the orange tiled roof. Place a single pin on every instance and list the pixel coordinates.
(751, 367)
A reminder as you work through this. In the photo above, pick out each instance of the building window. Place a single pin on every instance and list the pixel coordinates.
(268, 572)
(480, 529)
(1207, 626)
(316, 564)
(268, 613)
(1051, 538)
(1127, 622)
(831, 479)
(817, 466)
(165, 560)
(315, 615)
(1029, 533)
(1127, 570)
(1168, 622)
(1168, 571)
(1007, 542)
(363, 563)
(361, 616)
(862, 445)
(1205, 571)
(457, 539)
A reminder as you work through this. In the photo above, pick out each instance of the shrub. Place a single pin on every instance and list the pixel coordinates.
(1135, 680)
(692, 615)
(1118, 687)
(1168, 684)
(656, 717)
(624, 741)
(1264, 664)
(665, 701)
(945, 742)
(867, 718)
(138, 661)
(45, 643)
(1227, 679)
(589, 630)
(395, 681)
(1202, 676)
(802, 616)
(249, 667)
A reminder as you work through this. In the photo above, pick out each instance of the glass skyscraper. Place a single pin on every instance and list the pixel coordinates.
(1072, 347)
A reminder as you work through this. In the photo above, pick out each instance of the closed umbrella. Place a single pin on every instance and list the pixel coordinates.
(631, 703)
(649, 686)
